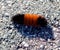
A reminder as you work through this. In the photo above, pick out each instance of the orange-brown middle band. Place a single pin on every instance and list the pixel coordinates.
(30, 19)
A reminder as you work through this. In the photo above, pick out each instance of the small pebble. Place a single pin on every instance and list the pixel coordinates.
(10, 31)
(7, 14)
(41, 46)
(25, 44)
(9, 2)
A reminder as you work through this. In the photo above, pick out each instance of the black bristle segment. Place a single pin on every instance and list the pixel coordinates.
(42, 22)
(19, 19)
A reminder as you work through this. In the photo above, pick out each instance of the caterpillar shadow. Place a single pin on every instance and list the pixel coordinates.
(33, 32)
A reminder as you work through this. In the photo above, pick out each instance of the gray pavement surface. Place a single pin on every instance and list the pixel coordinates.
(18, 37)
